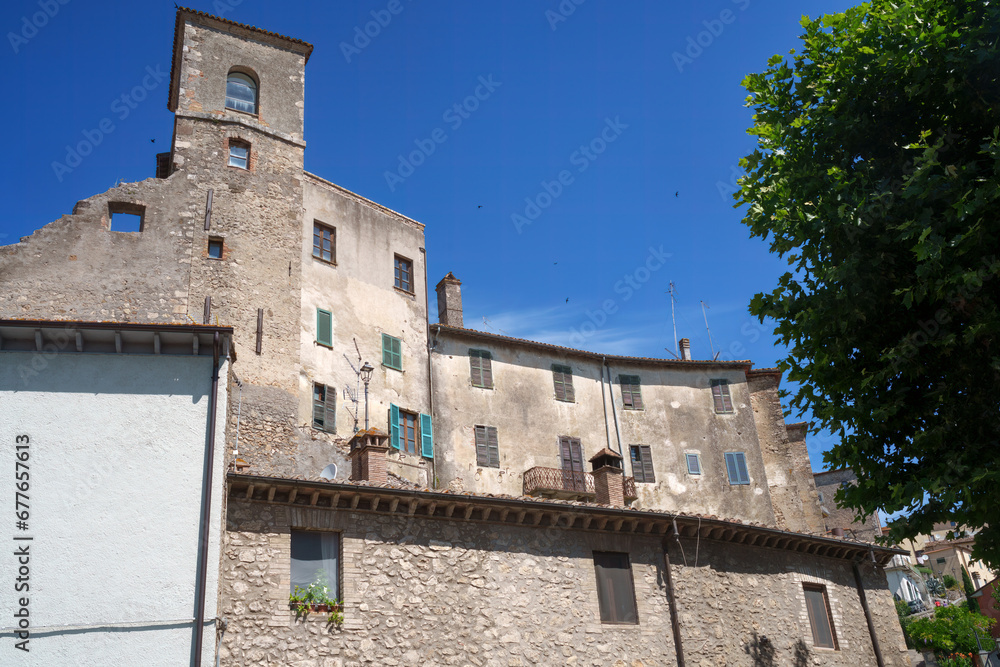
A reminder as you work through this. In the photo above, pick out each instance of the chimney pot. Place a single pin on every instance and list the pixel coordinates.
(609, 480)
(368, 456)
(449, 295)
(685, 345)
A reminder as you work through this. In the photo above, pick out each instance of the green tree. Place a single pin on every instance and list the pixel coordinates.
(877, 176)
(949, 582)
(951, 629)
(972, 602)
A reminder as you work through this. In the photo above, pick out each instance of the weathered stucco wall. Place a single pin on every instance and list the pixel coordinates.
(827, 484)
(679, 418)
(441, 592)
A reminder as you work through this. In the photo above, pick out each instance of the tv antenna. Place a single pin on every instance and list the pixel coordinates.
(703, 312)
(672, 291)
(351, 395)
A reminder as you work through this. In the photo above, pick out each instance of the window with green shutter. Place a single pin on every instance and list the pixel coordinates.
(642, 464)
(631, 394)
(720, 395)
(736, 467)
(426, 437)
(392, 352)
(562, 378)
(487, 447)
(324, 327)
(324, 408)
(481, 362)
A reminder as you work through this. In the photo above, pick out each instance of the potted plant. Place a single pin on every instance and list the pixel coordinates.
(316, 597)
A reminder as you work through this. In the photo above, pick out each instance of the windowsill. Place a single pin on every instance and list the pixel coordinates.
(331, 262)
(563, 400)
(255, 116)
(233, 166)
(398, 370)
(482, 386)
(329, 347)
(635, 623)
(635, 409)
(403, 291)
(215, 259)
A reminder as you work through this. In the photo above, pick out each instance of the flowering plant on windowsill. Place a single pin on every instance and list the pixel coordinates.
(316, 597)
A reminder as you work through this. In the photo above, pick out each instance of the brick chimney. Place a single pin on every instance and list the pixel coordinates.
(368, 456)
(449, 292)
(685, 345)
(609, 480)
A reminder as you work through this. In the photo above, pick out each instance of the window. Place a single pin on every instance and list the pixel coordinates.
(941, 561)
(615, 588)
(324, 408)
(215, 248)
(631, 395)
(392, 352)
(720, 394)
(125, 216)
(571, 455)
(693, 464)
(404, 274)
(487, 449)
(241, 92)
(324, 242)
(315, 558)
(821, 496)
(411, 433)
(324, 327)
(239, 154)
(562, 377)
(642, 464)
(482, 368)
(736, 466)
(819, 616)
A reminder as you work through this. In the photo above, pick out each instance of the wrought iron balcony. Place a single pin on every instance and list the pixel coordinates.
(567, 485)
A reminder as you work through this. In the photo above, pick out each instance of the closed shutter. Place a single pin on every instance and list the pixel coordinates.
(741, 468)
(482, 447)
(631, 395)
(330, 410)
(426, 437)
(647, 465)
(693, 464)
(720, 395)
(493, 446)
(394, 426)
(324, 327)
(392, 352)
(486, 365)
(482, 371)
(731, 469)
(562, 378)
(477, 371)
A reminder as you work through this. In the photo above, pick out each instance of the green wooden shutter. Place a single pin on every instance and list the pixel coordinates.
(394, 426)
(392, 352)
(426, 437)
(324, 327)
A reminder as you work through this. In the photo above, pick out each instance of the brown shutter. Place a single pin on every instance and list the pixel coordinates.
(486, 365)
(647, 464)
(492, 447)
(636, 394)
(717, 397)
(558, 383)
(625, 382)
(568, 387)
(477, 374)
(482, 455)
(727, 399)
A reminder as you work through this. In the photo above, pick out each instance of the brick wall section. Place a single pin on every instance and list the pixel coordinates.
(609, 483)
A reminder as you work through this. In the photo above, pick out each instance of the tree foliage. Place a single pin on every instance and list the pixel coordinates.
(877, 175)
(951, 629)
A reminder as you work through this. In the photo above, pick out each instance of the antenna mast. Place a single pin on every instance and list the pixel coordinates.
(672, 291)
(352, 394)
(703, 312)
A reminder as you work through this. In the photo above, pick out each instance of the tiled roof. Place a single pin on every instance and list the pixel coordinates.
(744, 364)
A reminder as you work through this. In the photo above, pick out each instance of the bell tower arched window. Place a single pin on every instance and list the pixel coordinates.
(241, 92)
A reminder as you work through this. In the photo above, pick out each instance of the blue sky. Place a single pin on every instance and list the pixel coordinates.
(587, 164)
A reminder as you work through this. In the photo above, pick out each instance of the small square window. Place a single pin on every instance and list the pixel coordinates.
(615, 588)
(721, 397)
(482, 368)
(315, 559)
(324, 242)
(239, 154)
(215, 248)
(126, 217)
(820, 619)
(562, 379)
(403, 274)
(392, 352)
(693, 464)
(487, 447)
(736, 466)
(642, 464)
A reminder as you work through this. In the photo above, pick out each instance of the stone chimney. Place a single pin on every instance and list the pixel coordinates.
(685, 345)
(449, 292)
(609, 480)
(368, 456)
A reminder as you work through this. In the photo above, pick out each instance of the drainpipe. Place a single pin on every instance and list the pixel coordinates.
(675, 623)
(868, 615)
(604, 404)
(206, 506)
(430, 376)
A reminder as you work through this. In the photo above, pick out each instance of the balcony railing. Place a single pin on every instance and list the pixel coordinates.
(567, 485)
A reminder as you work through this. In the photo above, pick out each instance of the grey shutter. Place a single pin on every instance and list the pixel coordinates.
(647, 464)
(318, 402)
(329, 410)
(486, 367)
(477, 371)
(717, 396)
(636, 394)
(482, 453)
(493, 447)
(557, 380)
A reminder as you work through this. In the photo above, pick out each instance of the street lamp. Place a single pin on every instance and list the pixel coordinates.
(366, 376)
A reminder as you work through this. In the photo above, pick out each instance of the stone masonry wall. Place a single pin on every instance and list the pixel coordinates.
(450, 592)
(827, 483)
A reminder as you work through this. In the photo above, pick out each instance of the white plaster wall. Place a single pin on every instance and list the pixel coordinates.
(117, 447)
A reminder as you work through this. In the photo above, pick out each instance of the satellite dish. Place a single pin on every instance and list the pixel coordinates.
(329, 472)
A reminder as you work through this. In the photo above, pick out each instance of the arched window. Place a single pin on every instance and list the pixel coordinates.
(241, 92)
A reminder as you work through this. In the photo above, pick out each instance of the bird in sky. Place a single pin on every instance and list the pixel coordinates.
(567, 299)
(677, 194)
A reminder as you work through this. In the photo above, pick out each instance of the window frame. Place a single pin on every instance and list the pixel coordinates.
(560, 373)
(608, 607)
(487, 446)
(645, 464)
(397, 353)
(485, 368)
(215, 241)
(740, 481)
(319, 323)
(337, 584)
(324, 404)
(403, 426)
(821, 590)
(697, 459)
(251, 82)
(631, 389)
(323, 227)
(397, 273)
(240, 144)
(722, 397)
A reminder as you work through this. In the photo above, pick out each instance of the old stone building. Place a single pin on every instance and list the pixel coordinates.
(840, 518)
(526, 504)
